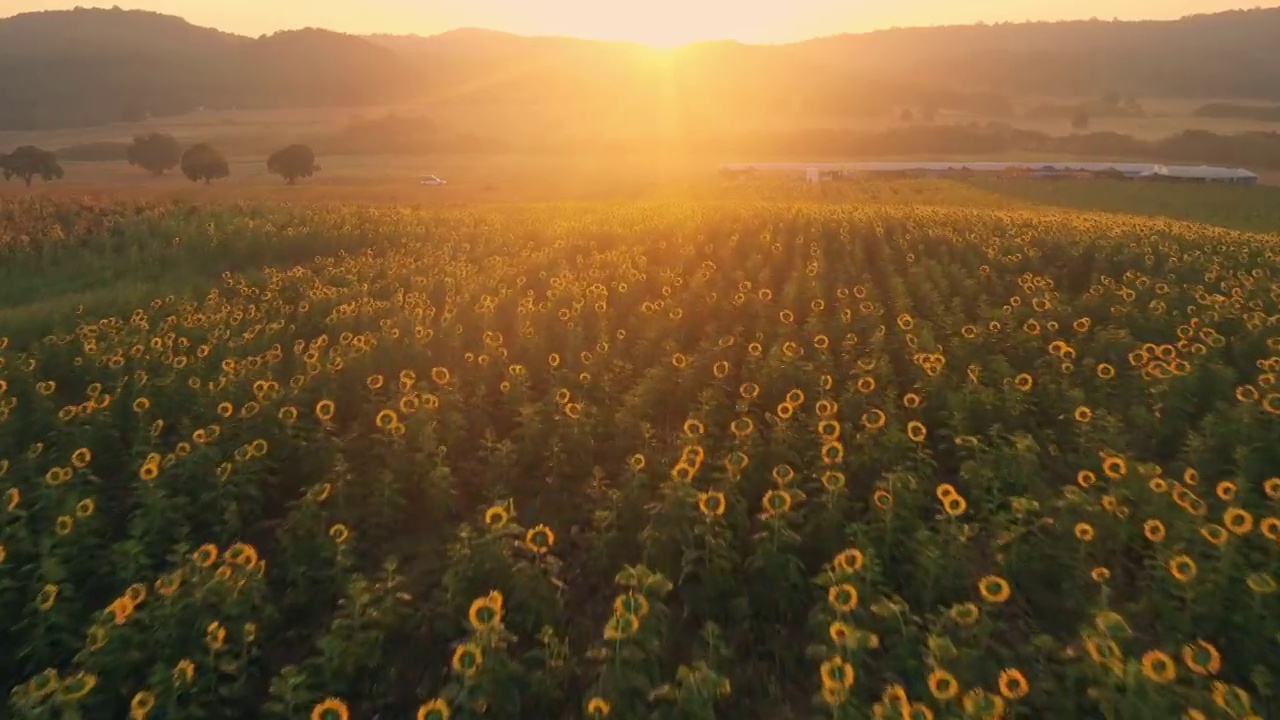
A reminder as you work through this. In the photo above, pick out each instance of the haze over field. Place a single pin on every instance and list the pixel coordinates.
(662, 22)
(88, 67)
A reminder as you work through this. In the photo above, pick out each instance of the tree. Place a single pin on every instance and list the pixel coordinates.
(29, 162)
(203, 162)
(293, 162)
(155, 152)
(1080, 121)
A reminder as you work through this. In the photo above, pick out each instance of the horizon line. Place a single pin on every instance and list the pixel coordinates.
(623, 41)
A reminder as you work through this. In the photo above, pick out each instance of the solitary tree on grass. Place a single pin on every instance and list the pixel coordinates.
(29, 162)
(293, 162)
(203, 162)
(155, 152)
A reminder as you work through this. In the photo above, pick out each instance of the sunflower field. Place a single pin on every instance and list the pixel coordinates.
(670, 461)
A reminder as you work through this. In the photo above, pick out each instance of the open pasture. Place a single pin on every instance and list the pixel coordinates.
(835, 456)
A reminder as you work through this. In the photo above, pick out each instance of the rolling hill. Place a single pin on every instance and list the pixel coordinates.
(88, 66)
(83, 67)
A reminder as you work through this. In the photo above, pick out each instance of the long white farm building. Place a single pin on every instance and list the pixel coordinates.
(816, 172)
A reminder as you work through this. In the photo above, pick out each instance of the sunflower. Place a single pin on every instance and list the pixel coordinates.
(598, 708)
(1023, 382)
(683, 472)
(1012, 684)
(955, 505)
(866, 384)
(1086, 478)
(843, 597)
(943, 685)
(994, 589)
(836, 672)
(1270, 528)
(215, 635)
(540, 539)
(141, 704)
(775, 503)
(1105, 371)
(964, 613)
(621, 626)
(339, 533)
(841, 634)
(1100, 574)
(325, 410)
(711, 503)
(1158, 666)
(44, 684)
(849, 561)
(46, 597)
(1261, 583)
(916, 431)
(1226, 490)
(1182, 567)
(1114, 467)
(77, 686)
(882, 499)
(1237, 520)
(205, 555)
(1232, 699)
(330, 709)
(983, 704)
(467, 659)
(436, 709)
(1154, 530)
(873, 419)
(833, 480)
(631, 603)
(386, 419)
(486, 612)
(1271, 486)
(63, 524)
(1201, 658)
(1084, 532)
(832, 452)
(183, 673)
(136, 593)
(497, 516)
(80, 458)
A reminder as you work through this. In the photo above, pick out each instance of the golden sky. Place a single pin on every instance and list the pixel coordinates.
(662, 22)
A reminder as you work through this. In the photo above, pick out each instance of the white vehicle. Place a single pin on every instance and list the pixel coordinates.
(431, 180)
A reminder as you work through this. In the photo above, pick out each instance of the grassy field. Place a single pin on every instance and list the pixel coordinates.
(912, 449)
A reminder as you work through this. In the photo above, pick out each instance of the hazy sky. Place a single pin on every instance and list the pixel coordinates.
(659, 21)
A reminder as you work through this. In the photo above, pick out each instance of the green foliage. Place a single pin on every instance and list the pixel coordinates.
(29, 162)
(293, 162)
(203, 162)
(674, 461)
(155, 152)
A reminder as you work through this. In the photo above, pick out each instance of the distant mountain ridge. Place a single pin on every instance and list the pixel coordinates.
(85, 67)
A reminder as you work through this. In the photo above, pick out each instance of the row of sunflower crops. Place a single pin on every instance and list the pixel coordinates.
(640, 461)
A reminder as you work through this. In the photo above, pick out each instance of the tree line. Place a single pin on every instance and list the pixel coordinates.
(158, 153)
